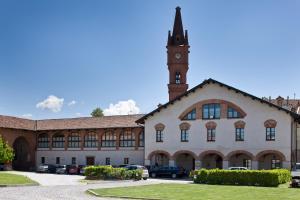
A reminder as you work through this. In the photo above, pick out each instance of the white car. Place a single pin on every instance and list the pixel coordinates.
(296, 171)
(145, 173)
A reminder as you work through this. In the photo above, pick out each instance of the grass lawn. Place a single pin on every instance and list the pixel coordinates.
(13, 179)
(199, 191)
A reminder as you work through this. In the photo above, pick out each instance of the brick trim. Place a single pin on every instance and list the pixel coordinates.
(177, 153)
(236, 152)
(240, 124)
(211, 125)
(278, 153)
(159, 127)
(223, 103)
(270, 123)
(208, 152)
(159, 152)
(184, 126)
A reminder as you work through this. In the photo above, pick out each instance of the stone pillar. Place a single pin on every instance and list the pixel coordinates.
(254, 164)
(286, 164)
(171, 163)
(147, 162)
(198, 164)
(50, 135)
(225, 164)
(137, 138)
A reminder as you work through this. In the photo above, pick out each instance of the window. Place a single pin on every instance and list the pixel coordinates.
(211, 111)
(91, 140)
(211, 135)
(43, 160)
(107, 161)
(57, 160)
(73, 160)
(58, 141)
(239, 134)
(74, 140)
(159, 136)
(184, 135)
(126, 161)
(232, 113)
(127, 139)
(142, 139)
(43, 141)
(177, 77)
(270, 134)
(247, 163)
(108, 139)
(275, 164)
(191, 115)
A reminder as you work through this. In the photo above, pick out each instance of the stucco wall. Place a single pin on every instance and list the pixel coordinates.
(116, 157)
(255, 132)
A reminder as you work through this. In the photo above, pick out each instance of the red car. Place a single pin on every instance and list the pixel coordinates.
(73, 169)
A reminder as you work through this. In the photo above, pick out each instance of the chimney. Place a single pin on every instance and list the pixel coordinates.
(279, 101)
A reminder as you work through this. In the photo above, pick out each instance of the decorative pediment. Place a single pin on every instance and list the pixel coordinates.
(159, 127)
(270, 123)
(240, 124)
(211, 125)
(184, 126)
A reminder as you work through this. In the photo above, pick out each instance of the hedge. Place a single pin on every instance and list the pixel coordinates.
(108, 172)
(267, 178)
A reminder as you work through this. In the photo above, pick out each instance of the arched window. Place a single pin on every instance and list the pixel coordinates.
(91, 140)
(211, 111)
(127, 139)
(58, 140)
(43, 140)
(270, 129)
(109, 139)
(74, 140)
(177, 77)
(232, 113)
(142, 139)
(191, 115)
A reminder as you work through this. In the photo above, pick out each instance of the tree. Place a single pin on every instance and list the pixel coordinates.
(6, 152)
(97, 112)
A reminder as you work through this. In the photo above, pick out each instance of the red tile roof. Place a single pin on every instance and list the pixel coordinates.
(117, 121)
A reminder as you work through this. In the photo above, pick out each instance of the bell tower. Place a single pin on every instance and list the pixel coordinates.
(178, 52)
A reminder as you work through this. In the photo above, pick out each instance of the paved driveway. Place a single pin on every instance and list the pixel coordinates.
(66, 187)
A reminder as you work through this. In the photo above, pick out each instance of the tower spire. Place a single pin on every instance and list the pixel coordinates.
(178, 37)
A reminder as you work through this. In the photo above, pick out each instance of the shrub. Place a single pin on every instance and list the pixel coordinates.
(108, 172)
(268, 178)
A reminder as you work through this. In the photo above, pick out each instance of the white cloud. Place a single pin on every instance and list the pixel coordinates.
(52, 103)
(78, 114)
(27, 115)
(122, 108)
(72, 103)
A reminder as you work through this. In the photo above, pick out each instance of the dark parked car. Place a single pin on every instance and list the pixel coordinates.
(44, 168)
(2, 167)
(73, 169)
(172, 172)
(62, 169)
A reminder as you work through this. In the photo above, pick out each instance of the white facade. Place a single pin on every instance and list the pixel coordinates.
(255, 132)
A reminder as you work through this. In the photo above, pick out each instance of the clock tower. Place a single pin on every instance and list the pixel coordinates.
(178, 51)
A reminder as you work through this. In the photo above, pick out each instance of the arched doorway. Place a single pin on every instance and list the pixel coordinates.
(212, 159)
(185, 160)
(240, 159)
(22, 160)
(159, 158)
(270, 159)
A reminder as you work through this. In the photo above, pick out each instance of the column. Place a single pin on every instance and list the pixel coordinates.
(198, 164)
(66, 140)
(82, 133)
(171, 163)
(100, 133)
(147, 162)
(118, 132)
(254, 164)
(50, 135)
(225, 164)
(137, 138)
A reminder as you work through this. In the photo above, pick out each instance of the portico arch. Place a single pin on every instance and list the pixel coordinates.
(240, 158)
(159, 158)
(22, 160)
(270, 159)
(211, 159)
(185, 159)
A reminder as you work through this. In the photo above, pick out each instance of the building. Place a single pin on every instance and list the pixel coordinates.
(212, 125)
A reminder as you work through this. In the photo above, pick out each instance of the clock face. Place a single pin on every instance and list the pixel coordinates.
(177, 56)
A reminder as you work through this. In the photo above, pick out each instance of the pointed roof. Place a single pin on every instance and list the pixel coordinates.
(212, 81)
(178, 37)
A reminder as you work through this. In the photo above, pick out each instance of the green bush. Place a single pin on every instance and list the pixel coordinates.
(268, 178)
(108, 172)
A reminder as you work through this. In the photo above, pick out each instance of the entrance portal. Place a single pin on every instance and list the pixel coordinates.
(22, 160)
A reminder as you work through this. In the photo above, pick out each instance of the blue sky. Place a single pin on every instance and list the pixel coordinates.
(97, 53)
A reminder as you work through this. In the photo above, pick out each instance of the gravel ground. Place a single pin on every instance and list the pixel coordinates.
(66, 187)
